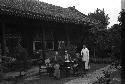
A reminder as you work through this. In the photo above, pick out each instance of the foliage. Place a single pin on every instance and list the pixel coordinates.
(108, 38)
(121, 18)
(97, 37)
(102, 40)
(115, 35)
(101, 16)
(115, 40)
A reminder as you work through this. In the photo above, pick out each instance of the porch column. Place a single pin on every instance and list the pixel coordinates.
(29, 43)
(67, 36)
(3, 44)
(43, 43)
(1, 36)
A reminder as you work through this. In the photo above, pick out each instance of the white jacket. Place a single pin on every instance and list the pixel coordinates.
(85, 54)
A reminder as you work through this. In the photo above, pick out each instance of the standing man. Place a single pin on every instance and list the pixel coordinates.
(85, 56)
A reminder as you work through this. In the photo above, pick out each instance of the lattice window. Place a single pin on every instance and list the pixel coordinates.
(49, 45)
(37, 45)
(49, 40)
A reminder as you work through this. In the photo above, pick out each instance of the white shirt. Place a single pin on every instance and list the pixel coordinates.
(85, 54)
(47, 61)
(67, 56)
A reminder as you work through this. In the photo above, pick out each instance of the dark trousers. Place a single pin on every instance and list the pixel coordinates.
(79, 69)
(50, 70)
(83, 65)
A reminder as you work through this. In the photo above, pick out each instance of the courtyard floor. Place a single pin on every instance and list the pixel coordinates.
(44, 79)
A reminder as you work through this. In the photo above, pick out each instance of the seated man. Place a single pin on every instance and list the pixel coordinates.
(77, 64)
(67, 57)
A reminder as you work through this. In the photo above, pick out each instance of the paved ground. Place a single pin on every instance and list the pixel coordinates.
(44, 79)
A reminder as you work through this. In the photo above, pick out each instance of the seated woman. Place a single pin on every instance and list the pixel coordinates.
(50, 68)
(56, 70)
(57, 61)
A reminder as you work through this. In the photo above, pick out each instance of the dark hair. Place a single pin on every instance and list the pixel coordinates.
(84, 45)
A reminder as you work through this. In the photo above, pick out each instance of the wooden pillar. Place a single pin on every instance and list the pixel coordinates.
(29, 43)
(3, 39)
(43, 42)
(94, 52)
(67, 35)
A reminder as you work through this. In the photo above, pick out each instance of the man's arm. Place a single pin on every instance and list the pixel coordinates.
(87, 54)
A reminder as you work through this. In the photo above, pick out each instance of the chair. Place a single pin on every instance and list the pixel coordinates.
(42, 69)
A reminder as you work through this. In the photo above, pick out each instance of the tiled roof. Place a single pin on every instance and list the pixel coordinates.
(40, 10)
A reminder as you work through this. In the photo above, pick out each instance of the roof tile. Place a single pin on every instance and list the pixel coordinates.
(44, 9)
